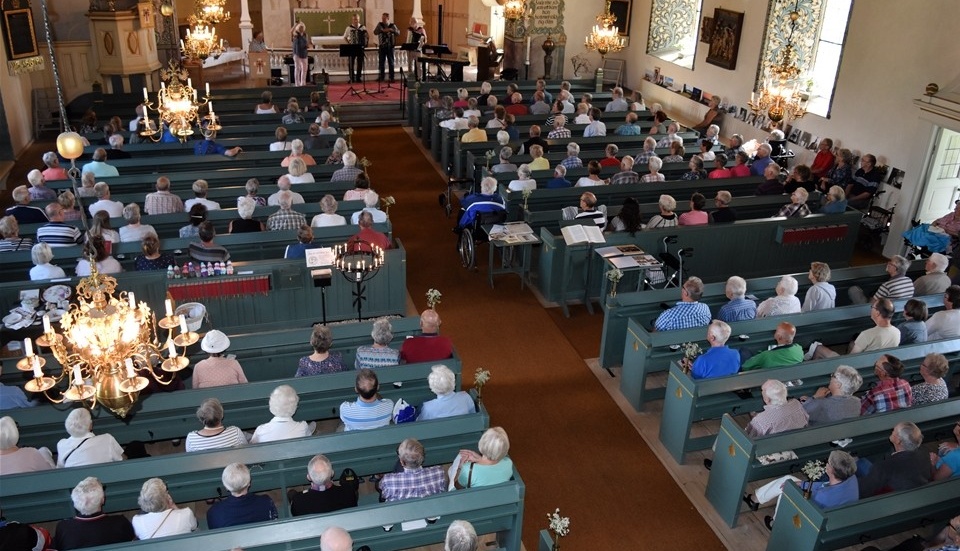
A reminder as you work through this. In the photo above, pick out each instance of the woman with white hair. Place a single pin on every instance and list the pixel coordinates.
(786, 301)
(161, 516)
(213, 435)
(88, 183)
(296, 152)
(667, 218)
(20, 460)
(252, 187)
(83, 447)
(379, 354)
(488, 467)
(448, 402)
(504, 165)
(836, 400)
(245, 222)
(283, 404)
(797, 207)
(329, 216)
(323, 496)
(297, 171)
(336, 156)
(461, 536)
(41, 254)
(523, 181)
(91, 528)
(53, 171)
(134, 230)
(10, 240)
(779, 414)
(217, 370)
(654, 164)
(240, 507)
(822, 295)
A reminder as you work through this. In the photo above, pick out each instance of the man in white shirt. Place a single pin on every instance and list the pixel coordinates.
(945, 324)
(113, 208)
(83, 447)
(283, 184)
(200, 188)
(372, 202)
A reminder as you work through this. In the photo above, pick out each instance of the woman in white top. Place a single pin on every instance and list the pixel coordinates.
(281, 144)
(213, 435)
(42, 254)
(523, 181)
(134, 230)
(266, 106)
(100, 225)
(106, 264)
(161, 516)
(297, 171)
(283, 404)
(593, 176)
(83, 447)
(329, 217)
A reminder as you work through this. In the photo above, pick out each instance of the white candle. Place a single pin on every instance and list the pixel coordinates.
(28, 347)
(207, 87)
(189, 82)
(130, 373)
(528, 49)
(77, 379)
(181, 43)
(145, 98)
(46, 325)
(183, 324)
(173, 349)
(169, 305)
(210, 105)
(132, 299)
(37, 372)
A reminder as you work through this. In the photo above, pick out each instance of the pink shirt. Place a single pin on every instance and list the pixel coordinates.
(693, 218)
(740, 171)
(217, 371)
(722, 173)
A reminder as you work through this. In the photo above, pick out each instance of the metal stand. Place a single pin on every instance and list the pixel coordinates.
(348, 51)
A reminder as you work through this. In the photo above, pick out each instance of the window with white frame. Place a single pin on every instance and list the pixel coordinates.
(673, 30)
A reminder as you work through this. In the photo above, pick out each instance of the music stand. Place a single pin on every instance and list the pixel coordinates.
(391, 84)
(436, 50)
(349, 51)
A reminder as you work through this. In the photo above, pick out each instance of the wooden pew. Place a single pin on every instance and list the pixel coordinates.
(646, 352)
(735, 462)
(45, 495)
(688, 401)
(182, 180)
(644, 306)
(248, 159)
(808, 528)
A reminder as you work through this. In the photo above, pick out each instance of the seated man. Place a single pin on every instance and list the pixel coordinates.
(99, 167)
(474, 132)
(725, 214)
(38, 187)
(898, 286)
(883, 335)
(572, 160)
(430, 345)
(371, 204)
(286, 218)
(23, 211)
(284, 184)
(113, 208)
(865, 182)
(369, 411)
(906, 468)
(162, 201)
(835, 401)
(91, 528)
(739, 308)
(779, 414)
(762, 161)
(935, 281)
(559, 129)
(535, 139)
(719, 360)
(323, 496)
(349, 171)
(626, 174)
(240, 507)
(209, 147)
(771, 184)
(689, 312)
(891, 392)
(488, 200)
(56, 233)
(648, 152)
(589, 212)
(630, 126)
(786, 301)
(368, 234)
(335, 539)
(786, 352)
(559, 179)
(945, 324)
(206, 250)
(595, 127)
(461, 536)
(414, 480)
(448, 402)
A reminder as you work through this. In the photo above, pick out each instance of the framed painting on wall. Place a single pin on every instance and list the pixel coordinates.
(18, 27)
(622, 9)
(725, 42)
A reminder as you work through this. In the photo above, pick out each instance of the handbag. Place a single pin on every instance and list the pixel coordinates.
(456, 481)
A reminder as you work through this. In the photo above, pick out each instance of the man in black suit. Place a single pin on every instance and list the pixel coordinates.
(906, 468)
(323, 496)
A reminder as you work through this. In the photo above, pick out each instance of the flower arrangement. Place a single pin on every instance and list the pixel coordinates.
(489, 155)
(433, 298)
(480, 378)
(614, 275)
(526, 193)
(814, 470)
(691, 351)
(365, 163)
(347, 133)
(386, 203)
(559, 526)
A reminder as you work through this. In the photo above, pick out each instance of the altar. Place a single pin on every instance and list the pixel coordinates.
(323, 24)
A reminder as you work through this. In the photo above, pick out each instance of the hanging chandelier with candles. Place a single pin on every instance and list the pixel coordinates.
(211, 11)
(108, 348)
(605, 37)
(177, 107)
(514, 9)
(780, 95)
(201, 42)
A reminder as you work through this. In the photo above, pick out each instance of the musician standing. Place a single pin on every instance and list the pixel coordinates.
(356, 34)
(415, 35)
(388, 33)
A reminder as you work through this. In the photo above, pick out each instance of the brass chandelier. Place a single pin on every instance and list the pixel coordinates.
(779, 94)
(201, 42)
(514, 9)
(605, 37)
(177, 107)
(108, 347)
(211, 11)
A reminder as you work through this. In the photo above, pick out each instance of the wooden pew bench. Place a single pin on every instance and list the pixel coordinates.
(736, 460)
(689, 401)
(647, 352)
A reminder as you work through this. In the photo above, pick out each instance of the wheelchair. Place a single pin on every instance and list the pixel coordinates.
(473, 235)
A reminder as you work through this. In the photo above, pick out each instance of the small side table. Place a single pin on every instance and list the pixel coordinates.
(508, 257)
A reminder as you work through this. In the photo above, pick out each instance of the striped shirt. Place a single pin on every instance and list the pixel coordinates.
(896, 287)
(372, 357)
(562, 132)
(229, 437)
(361, 415)
(58, 234)
(624, 177)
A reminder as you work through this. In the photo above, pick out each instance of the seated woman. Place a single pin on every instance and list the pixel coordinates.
(20, 460)
(296, 152)
(488, 467)
(292, 113)
(329, 216)
(654, 164)
(696, 170)
(841, 174)
(822, 295)
(785, 302)
(741, 169)
(336, 156)
(83, 447)
(68, 201)
(523, 181)
(252, 187)
(217, 370)
(676, 153)
(161, 516)
(297, 172)
(152, 258)
(283, 404)
(379, 354)
(304, 242)
(42, 254)
(720, 169)
(836, 201)
(835, 401)
(629, 219)
(361, 185)
(241, 506)
(213, 435)
(100, 225)
(797, 207)
(10, 232)
(281, 144)
(134, 230)
(448, 402)
(839, 489)
(266, 106)
(591, 179)
(946, 462)
(245, 223)
(933, 388)
(323, 496)
(95, 247)
(198, 215)
(914, 329)
(799, 177)
(322, 360)
(666, 218)
(696, 216)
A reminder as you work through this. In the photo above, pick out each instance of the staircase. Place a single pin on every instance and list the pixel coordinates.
(370, 114)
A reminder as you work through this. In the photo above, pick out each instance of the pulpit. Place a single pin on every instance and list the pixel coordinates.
(259, 67)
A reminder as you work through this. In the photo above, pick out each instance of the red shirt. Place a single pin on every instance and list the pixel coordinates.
(371, 235)
(516, 109)
(426, 348)
(609, 161)
(740, 171)
(723, 173)
(822, 163)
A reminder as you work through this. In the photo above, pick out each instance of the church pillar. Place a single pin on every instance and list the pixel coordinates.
(417, 10)
(246, 26)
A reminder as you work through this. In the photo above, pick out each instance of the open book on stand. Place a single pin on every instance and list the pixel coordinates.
(574, 235)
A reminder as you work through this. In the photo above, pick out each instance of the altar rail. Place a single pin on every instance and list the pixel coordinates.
(331, 62)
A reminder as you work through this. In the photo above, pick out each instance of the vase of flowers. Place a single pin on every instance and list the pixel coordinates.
(559, 527)
(480, 378)
(614, 275)
(489, 155)
(386, 203)
(347, 133)
(691, 351)
(433, 298)
(526, 193)
(814, 471)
